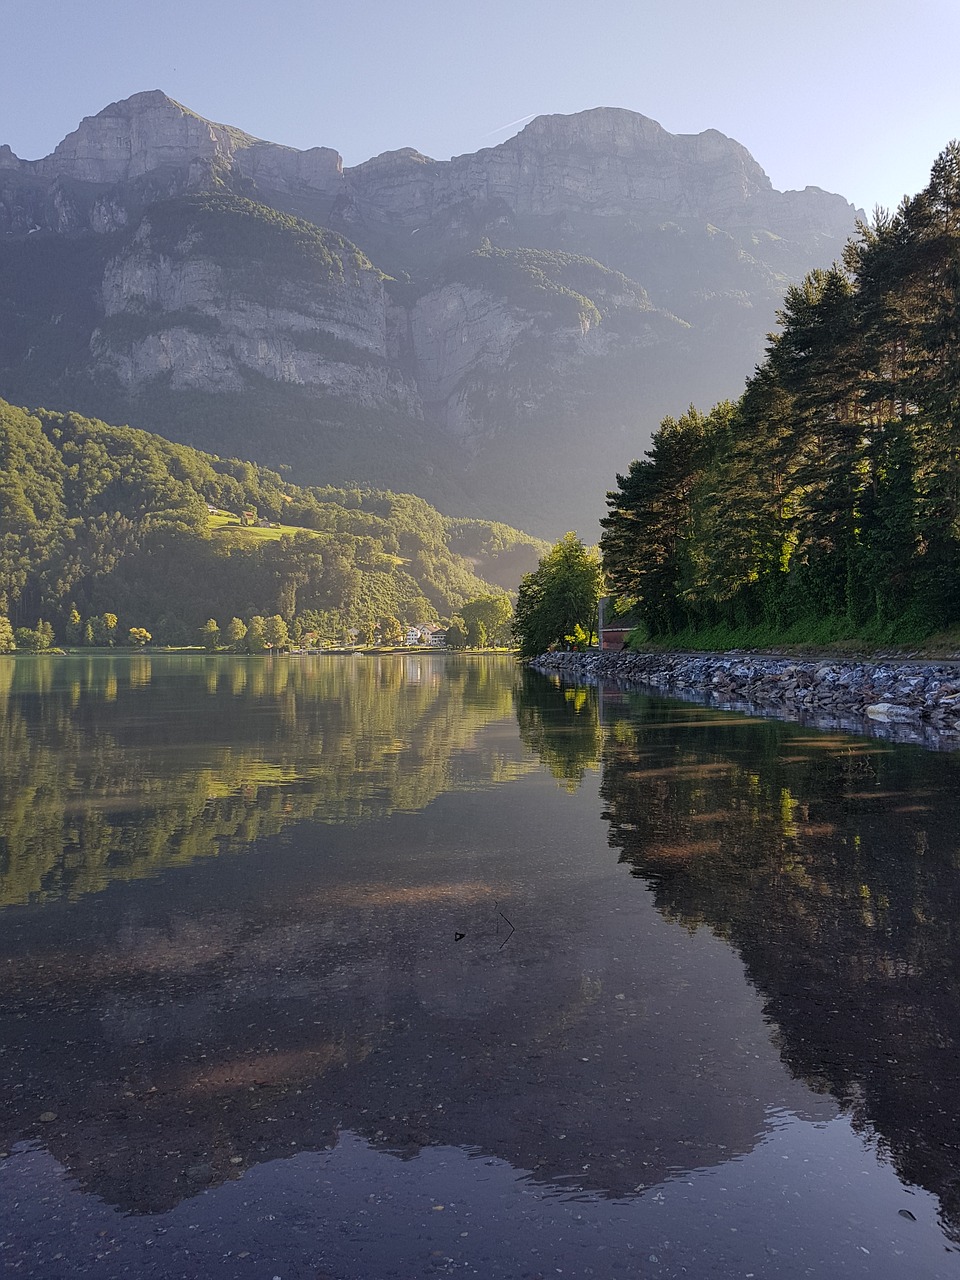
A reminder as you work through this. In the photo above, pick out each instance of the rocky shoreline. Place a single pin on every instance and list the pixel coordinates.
(909, 700)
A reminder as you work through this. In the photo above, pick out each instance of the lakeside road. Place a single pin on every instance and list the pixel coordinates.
(918, 695)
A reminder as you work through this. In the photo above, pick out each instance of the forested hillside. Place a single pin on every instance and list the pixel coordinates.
(98, 520)
(826, 502)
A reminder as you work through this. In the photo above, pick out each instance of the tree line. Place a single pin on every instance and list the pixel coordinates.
(825, 502)
(101, 630)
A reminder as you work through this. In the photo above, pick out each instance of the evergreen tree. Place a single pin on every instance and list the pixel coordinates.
(828, 498)
(105, 629)
(73, 632)
(647, 543)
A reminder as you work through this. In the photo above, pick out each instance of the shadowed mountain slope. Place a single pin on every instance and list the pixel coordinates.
(498, 332)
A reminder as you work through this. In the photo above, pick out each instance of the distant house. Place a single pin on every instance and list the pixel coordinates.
(437, 637)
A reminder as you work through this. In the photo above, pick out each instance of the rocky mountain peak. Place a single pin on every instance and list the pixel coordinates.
(130, 138)
(629, 161)
(603, 128)
(605, 161)
(146, 100)
(568, 275)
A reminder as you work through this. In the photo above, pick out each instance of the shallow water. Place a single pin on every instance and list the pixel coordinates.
(412, 966)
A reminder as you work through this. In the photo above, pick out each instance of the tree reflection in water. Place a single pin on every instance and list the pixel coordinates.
(114, 768)
(831, 863)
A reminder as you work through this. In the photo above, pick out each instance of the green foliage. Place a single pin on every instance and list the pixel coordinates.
(73, 632)
(648, 539)
(7, 640)
(457, 637)
(488, 620)
(496, 552)
(236, 635)
(139, 636)
(391, 630)
(560, 595)
(256, 635)
(275, 633)
(253, 238)
(98, 520)
(539, 280)
(825, 504)
(34, 639)
(104, 629)
(210, 635)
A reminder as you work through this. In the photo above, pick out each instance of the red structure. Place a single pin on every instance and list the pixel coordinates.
(613, 633)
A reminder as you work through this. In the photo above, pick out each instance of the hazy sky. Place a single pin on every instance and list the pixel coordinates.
(857, 96)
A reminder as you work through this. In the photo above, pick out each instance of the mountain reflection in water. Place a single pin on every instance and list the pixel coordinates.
(261, 910)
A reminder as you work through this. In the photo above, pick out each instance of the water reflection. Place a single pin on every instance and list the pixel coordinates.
(420, 979)
(832, 864)
(391, 949)
(241, 1016)
(114, 768)
(561, 723)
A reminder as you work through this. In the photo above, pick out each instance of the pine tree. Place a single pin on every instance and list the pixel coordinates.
(73, 632)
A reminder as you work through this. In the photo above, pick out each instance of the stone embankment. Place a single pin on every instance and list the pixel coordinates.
(925, 694)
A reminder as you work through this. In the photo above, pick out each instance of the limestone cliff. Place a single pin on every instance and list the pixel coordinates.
(606, 162)
(185, 311)
(468, 322)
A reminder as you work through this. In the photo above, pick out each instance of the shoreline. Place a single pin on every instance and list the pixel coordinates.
(915, 699)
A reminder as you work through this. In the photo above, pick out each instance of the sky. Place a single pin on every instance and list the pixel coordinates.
(856, 96)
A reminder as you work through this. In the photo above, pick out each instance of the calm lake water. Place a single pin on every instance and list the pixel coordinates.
(419, 966)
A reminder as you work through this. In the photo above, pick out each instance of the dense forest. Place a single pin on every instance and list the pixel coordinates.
(825, 503)
(101, 523)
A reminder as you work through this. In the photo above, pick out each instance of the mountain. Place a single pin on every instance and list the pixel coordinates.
(498, 332)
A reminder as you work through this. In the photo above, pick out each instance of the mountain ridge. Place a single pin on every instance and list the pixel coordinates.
(454, 357)
(163, 131)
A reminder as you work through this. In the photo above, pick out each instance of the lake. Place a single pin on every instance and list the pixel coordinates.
(402, 966)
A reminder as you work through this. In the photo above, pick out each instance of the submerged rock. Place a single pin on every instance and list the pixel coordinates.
(892, 711)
